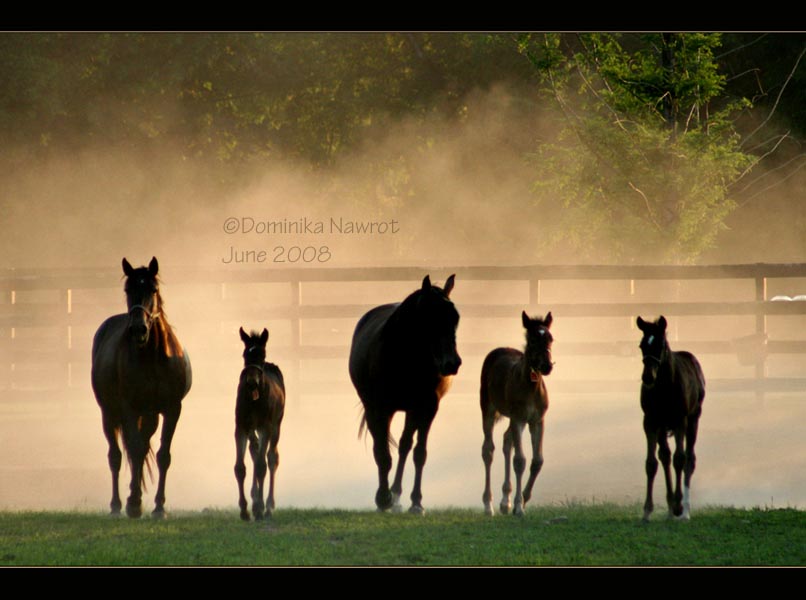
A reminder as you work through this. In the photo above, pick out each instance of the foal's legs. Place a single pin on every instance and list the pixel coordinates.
(665, 455)
(257, 448)
(240, 470)
(536, 429)
(274, 462)
(651, 467)
(691, 463)
(519, 464)
(487, 449)
(506, 489)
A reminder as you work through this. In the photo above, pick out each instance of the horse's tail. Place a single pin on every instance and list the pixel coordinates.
(149, 458)
(362, 431)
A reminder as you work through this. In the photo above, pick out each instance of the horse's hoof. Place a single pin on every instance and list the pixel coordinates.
(115, 514)
(397, 508)
(489, 510)
(518, 512)
(159, 514)
(504, 509)
(416, 509)
(245, 515)
(383, 501)
(134, 512)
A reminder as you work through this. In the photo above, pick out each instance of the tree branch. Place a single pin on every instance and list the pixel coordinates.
(775, 106)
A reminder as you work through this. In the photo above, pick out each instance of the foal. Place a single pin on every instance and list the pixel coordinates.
(258, 415)
(512, 386)
(672, 392)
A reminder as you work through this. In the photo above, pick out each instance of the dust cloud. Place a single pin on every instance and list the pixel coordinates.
(450, 194)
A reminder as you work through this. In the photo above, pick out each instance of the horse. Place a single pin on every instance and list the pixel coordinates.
(139, 371)
(512, 386)
(672, 393)
(402, 358)
(259, 412)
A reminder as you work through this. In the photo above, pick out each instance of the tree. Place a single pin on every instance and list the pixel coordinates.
(643, 166)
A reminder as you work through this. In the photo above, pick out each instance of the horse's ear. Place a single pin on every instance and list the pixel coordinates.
(153, 266)
(641, 323)
(662, 323)
(427, 283)
(525, 319)
(127, 268)
(548, 320)
(244, 337)
(264, 337)
(449, 284)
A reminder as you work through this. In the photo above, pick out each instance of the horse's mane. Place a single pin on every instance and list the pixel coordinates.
(166, 337)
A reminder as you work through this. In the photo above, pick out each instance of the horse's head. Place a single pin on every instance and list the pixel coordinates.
(653, 348)
(254, 355)
(538, 344)
(142, 299)
(436, 321)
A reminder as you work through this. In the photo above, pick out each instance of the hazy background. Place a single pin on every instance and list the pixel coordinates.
(460, 190)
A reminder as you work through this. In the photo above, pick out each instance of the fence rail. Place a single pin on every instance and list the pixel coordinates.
(65, 326)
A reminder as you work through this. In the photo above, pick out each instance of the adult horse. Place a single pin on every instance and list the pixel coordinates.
(672, 393)
(403, 357)
(512, 386)
(139, 371)
(259, 412)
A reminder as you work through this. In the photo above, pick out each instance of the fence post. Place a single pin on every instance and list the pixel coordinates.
(534, 292)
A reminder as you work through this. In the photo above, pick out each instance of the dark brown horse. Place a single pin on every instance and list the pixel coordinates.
(258, 414)
(139, 371)
(402, 358)
(512, 386)
(672, 393)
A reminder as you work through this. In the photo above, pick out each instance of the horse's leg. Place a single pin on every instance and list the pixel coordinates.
(404, 447)
(258, 451)
(651, 467)
(169, 420)
(274, 462)
(665, 456)
(115, 458)
(506, 489)
(691, 463)
(420, 455)
(519, 465)
(136, 449)
(487, 450)
(676, 508)
(240, 470)
(536, 430)
(378, 425)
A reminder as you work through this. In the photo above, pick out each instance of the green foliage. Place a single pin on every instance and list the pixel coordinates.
(573, 534)
(642, 157)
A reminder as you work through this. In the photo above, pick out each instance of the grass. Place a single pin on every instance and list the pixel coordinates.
(566, 535)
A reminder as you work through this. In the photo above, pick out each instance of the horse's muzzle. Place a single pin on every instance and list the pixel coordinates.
(451, 366)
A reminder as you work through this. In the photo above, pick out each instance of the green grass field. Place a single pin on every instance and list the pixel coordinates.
(584, 534)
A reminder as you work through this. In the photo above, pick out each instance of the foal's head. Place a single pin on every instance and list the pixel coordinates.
(538, 344)
(254, 355)
(142, 299)
(653, 348)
